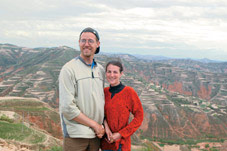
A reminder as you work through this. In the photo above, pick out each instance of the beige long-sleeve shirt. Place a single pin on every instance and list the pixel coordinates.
(80, 90)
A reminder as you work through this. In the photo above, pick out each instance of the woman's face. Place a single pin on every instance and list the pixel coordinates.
(113, 74)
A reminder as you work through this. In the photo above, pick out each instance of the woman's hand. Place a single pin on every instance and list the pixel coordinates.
(115, 137)
(108, 131)
(111, 137)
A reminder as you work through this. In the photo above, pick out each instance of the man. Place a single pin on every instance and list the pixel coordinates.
(81, 83)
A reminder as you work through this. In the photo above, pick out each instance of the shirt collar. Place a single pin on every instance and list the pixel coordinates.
(116, 89)
(82, 60)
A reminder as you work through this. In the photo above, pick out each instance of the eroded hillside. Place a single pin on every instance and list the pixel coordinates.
(28, 124)
(182, 100)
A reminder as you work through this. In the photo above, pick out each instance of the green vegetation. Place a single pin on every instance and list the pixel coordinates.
(156, 89)
(27, 108)
(54, 117)
(19, 132)
(178, 101)
(194, 146)
(23, 89)
(214, 149)
(215, 90)
(209, 136)
(24, 105)
(149, 147)
(33, 109)
(142, 80)
(31, 69)
(210, 149)
(203, 106)
(6, 118)
(206, 110)
(162, 145)
(207, 146)
(185, 141)
(190, 143)
(55, 148)
(224, 93)
(179, 142)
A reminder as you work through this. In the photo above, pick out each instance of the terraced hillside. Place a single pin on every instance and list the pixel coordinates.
(182, 100)
(36, 74)
(28, 123)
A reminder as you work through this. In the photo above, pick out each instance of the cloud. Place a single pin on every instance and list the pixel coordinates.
(167, 25)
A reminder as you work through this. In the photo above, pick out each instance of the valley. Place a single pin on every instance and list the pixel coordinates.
(184, 101)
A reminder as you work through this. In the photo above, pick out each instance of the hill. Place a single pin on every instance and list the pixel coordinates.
(21, 127)
(183, 100)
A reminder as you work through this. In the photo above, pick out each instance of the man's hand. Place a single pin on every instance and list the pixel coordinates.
(99, 130)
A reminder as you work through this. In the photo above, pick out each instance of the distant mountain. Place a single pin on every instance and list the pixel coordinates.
(206, 60)
(151, 57)
(159, 58)
(183, 99)
(194, 65)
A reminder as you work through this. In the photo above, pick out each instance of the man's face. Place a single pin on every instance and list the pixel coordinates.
(88, 44)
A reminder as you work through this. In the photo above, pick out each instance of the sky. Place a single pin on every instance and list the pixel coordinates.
(172, 28)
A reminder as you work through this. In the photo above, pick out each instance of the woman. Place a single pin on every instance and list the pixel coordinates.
(120, 100)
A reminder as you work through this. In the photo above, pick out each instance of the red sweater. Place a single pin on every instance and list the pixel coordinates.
(117, 111)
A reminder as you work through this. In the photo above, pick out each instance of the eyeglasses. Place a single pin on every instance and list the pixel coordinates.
(90, 41)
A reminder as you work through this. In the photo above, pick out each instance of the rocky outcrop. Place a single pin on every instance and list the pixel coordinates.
(47, 124)
(34, 112)
(6, 146)
(171, 122)
(177, 87)
(205, 93)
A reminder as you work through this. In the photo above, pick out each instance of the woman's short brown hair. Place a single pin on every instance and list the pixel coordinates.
(115, 63)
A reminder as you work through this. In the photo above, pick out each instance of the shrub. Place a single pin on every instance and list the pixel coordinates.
(6, 118)
(207, 146)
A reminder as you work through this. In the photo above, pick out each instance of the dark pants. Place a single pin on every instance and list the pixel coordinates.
(119, 149)
(81, 144)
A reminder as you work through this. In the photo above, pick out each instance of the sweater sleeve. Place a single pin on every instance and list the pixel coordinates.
(135, 107)
(67, 94)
